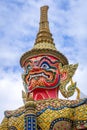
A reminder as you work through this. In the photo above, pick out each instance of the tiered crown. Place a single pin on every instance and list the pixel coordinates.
(44, 44)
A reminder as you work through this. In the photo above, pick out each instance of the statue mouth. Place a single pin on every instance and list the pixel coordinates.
(40, 78)
(37, 76)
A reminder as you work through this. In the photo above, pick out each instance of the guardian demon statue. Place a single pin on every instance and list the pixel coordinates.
(46, 72)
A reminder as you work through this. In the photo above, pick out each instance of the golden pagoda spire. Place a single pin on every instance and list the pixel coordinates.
(44, 34)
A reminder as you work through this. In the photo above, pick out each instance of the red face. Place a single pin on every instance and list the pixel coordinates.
(42, 72)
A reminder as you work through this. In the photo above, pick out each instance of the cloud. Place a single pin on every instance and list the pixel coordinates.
(19, 24)
(10, 90)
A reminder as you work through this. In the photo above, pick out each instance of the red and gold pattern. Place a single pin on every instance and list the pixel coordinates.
(62, 125)
(52, 114)
(42, 77)
(46, 72)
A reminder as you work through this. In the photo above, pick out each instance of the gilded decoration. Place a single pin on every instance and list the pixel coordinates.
(73, 112)
(46, 72)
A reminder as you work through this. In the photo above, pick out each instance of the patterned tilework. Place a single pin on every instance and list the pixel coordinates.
(4, 124)
(30, 122)
(18, 122)
(61, 124)
(12, 128)
(42, 105)
(47, 112)
(57, 104)
(45, 119)
(38, 127)
(71, 114)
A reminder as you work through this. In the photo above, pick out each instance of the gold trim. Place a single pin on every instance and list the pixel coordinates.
(45, 45)
(36, 52)
(44, 42)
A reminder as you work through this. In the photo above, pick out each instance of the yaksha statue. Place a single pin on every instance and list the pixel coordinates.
(46, 72)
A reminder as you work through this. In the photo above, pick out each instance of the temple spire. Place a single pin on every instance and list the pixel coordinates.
(44, 34)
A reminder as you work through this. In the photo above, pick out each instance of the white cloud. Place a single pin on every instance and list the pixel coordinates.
(10, 91)
(19, 22)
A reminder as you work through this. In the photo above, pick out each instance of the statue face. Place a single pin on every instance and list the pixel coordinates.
(42, 72)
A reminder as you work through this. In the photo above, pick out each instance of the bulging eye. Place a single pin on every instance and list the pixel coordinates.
(45, 65)
(29, 67)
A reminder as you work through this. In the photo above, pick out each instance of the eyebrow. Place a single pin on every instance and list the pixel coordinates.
(57, 61)
(28, 61)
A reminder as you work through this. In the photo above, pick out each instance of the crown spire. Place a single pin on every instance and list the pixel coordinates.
(44, 24)
(44, 42)
(44, 34)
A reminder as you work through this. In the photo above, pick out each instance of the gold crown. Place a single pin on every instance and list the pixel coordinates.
(44, 44)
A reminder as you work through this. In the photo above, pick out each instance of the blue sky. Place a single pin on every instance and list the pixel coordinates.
(19, 24)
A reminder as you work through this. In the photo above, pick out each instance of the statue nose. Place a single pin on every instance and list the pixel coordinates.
(36, 68)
